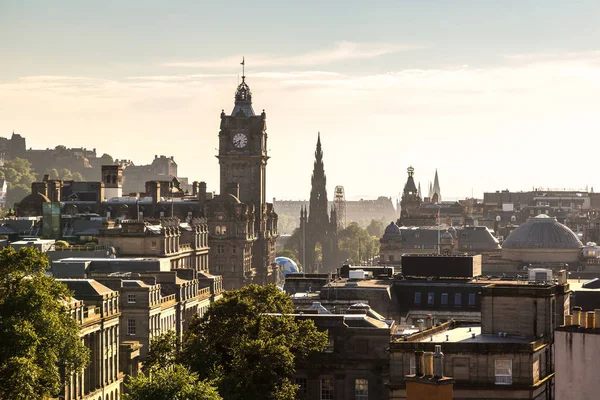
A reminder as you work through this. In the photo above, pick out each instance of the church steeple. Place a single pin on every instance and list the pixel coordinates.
(436, 196)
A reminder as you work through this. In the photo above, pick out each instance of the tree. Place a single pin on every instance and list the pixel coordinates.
(376, 228)
(162, 353)
(176, 382)
(18, 176)
(248, 344)
(40, 342)
(356, 244)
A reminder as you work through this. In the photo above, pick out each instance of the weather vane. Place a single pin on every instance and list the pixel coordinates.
(243, 64)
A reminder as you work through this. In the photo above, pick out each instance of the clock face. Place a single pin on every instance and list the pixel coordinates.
(240, 140)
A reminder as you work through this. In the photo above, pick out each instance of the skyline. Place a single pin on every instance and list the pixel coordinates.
(477, 91)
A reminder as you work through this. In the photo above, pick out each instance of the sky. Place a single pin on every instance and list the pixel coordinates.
(493, 94)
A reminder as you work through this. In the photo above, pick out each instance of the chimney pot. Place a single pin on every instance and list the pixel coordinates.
(428, 363)
(420, 324)
(577, 316)
(438, 362)
(419, 363)
(568, 320)
(590, 320)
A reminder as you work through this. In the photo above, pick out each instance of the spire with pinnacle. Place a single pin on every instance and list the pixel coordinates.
(243, 95)
(436, 195)
(317, 212)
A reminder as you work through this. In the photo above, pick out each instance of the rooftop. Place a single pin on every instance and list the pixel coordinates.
(471, 334)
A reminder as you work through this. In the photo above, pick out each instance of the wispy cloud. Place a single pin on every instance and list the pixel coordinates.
(342, 51)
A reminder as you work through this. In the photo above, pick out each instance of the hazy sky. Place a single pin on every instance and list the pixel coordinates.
(495, 94)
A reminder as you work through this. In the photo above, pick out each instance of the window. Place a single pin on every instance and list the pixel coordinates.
(457, 299)
(418, 298)
(233, 250)
(327, 389)
(471, 299)
(220, 249)
(153, 245)
(131, 298)
(361, 389)
(503, 372)
(430, 298)
(391, 258)
(445, 299)
(412, 366)
(131, 327)
(302, 384)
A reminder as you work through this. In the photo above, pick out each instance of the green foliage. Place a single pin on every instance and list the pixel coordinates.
(18, 176)
(162, 353)
(63, 174)
(376, 228)
(175, 383)
(245, 349)
(39, 339)
(356, 244)
(294, 242)
(61, 243)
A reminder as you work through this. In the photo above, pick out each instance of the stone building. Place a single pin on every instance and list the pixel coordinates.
(576, 347)
(316, 227)
(185, 245)
(243, 156)
(153, 303)
(355, 363)
(96, 308)
(510, 355)
(542, 239)
(429, 240)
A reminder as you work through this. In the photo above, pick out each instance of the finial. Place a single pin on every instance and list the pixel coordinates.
(243, 64)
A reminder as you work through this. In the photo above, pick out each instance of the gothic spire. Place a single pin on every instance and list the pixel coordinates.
(436, 189)
(318, 212)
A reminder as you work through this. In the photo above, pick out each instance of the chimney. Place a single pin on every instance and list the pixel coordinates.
(233, 188)
(202, 192)
(438, 362)
(590, 322)
(568, 320)
(153, 190)
(562, 277)
(418, 363)
(429, 321)
(577, 316)
(420, 324)
(428, 363)
(195, 187)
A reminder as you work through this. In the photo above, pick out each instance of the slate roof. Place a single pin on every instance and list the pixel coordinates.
(542, 232)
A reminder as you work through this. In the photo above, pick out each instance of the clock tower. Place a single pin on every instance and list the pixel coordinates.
(244, 249)
(243, 149)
